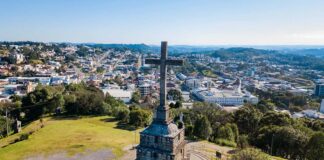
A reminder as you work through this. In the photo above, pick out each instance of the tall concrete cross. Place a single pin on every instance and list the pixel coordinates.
(162, 111)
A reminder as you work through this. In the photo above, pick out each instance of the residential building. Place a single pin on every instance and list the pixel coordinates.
(319, 89)
(16, 58)
(124, 95)
(145, 89)
(193, 83)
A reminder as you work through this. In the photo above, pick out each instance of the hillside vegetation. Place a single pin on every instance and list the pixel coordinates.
(69, 135)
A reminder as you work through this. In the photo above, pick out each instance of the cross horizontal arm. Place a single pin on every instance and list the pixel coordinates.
(174, 62)
(152, 61)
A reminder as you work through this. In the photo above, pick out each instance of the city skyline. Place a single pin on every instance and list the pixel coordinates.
(276, 22)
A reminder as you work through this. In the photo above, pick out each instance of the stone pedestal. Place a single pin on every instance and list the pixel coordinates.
(161, 142)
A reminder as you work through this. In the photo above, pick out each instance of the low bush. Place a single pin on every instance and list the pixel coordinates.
(24, 136)
(224, 142)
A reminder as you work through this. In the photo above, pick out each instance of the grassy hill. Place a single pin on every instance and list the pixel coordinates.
(68, 135)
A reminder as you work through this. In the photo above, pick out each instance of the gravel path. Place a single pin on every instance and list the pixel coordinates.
(130, 153)
(103, 154)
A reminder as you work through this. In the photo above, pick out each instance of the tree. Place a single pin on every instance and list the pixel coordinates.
(83, 51)
(171, 105)
(275, 118)
(123, 115)
(136, 96)
(178, 104)
(15, 98)
(289, 142)
(235, 130)
(247, 119)
(70, 100)
(3, 125)
(175, 94)
(265, 106)
(315, 147)
(317, 125)
(70, 58)
(85, 100)
(189, 131)
(202, 128)
(140, 117)
(225, 132)
(100, 70)
(89, 101)
(38, 102)
(250, 154)
(243, 141)
(57, 102)
(285, 141)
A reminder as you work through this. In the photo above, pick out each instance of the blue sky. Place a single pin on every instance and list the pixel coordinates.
(191, 22)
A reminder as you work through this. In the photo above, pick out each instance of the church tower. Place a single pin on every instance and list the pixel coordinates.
(162, 140)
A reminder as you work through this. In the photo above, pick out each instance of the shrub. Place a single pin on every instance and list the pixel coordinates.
(24, 136)
(315, 147)
(189, 131)
(250, 154)
(202, 128)
(225, 132)
(225, 142)
(107, 109)
(123, 115)
(243, 141)
(140, 117)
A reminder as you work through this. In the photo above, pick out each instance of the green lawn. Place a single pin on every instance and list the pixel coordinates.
(70, 135)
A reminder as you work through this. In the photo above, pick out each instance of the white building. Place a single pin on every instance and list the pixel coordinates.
(322, 107)
(124, 95)
(145, 89)
(16, 58)
(224, 97)
(311, 113)
(181, 76)
(193, 83)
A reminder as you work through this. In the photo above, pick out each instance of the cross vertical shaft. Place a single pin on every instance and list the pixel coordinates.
(162, 112)
(163, 72)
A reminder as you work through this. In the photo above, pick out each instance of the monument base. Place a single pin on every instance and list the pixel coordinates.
(161, 142)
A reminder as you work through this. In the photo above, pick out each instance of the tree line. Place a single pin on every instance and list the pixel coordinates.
(70, 100)
(273, 132)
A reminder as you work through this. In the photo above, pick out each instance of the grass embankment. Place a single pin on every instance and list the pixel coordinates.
(71, 135)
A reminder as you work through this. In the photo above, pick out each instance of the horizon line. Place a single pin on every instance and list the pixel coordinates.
(176, 44)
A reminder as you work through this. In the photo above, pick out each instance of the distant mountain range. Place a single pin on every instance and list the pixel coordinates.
(311, 50)
(305, 50)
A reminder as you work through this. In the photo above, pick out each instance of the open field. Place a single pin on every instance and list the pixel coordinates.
(69, 136)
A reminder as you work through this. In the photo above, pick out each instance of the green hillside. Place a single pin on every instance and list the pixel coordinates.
(68, 135)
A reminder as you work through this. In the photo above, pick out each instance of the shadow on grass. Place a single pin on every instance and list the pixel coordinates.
(125, 126)
(65, 117)
(109, 119)
(120, 125)
(233, 151)
(71, 117)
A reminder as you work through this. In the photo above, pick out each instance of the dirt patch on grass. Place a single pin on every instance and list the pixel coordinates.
(130, 153)
(103, 154)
